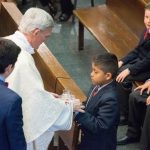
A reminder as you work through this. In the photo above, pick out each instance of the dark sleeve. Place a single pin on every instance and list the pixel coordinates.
(130, 56)
(14, 124)
(105, 118)
(140, 66)
(133, 54)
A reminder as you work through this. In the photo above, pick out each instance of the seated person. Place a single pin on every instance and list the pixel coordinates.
(134, 67)
(101, 117)
(51, 5)
(139, 116)
(66, 10)
(11, 123)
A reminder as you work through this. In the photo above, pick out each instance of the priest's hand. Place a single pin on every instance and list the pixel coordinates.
(55, 95)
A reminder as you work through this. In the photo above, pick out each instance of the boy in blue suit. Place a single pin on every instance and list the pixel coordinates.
(11, 132)
(101, 117)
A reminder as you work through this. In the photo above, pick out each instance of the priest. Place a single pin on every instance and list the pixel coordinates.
(42, 110)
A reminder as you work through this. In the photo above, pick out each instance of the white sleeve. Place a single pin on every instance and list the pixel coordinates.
(64, 121)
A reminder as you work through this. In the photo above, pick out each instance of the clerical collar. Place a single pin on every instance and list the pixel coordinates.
(21, 37)
(2, 78)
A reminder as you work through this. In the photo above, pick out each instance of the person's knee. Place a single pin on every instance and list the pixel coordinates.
(148, 110)
(133, 97)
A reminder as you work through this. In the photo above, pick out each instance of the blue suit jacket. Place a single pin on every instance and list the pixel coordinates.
(100, 120)
(11, 132)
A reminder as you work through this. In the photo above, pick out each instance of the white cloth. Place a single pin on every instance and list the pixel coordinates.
(41, 110)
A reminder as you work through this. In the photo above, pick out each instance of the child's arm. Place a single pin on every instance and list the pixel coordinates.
(130, 56)
(135, 68)
(14, 125)
(134, 53)
(140, 66)
(105, 117)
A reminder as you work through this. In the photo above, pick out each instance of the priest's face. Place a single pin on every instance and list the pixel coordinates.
(40, 36)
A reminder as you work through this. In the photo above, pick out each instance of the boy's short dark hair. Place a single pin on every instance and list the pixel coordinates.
(8, 53)
(147, 6)
(108, 63)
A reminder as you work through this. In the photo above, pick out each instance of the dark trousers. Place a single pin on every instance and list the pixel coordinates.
(44, 2)
(66, 6)
(145, 137)
(139, 119)
(124, 88)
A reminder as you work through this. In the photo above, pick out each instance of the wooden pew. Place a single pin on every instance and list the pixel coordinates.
(117, 25)
(14, 1)
(54, 76)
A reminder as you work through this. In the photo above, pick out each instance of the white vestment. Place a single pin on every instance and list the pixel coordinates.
(41, 110)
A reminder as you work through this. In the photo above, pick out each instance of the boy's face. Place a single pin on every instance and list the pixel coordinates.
(147, 18)
(98, 76)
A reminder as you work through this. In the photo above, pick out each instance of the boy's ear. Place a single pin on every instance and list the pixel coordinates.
(8, 68)
(108, 76)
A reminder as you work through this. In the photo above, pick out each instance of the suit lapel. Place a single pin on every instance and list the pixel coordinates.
(144, 41)
(94, 100)
(97, 98)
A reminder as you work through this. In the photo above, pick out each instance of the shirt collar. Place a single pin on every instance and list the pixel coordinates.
(102, 86)
(27, 46)
(2, 78)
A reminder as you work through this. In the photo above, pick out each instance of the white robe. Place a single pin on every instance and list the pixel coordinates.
(41, 111)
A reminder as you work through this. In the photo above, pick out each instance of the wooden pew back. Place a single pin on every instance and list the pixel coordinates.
(11, 18)
(54, 76)
(117, 25)
(131, 12)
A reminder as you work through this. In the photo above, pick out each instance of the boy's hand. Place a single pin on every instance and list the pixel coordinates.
(123, 75)
(148, 101)
(77, 106)
(120, 63)
(79, 109)
(145, 86)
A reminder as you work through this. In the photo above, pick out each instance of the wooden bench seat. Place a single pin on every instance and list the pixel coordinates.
(109, 30)
(117, 25)
(54, 76)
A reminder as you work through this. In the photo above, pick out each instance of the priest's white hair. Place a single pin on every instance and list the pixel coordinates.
(35, 18)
